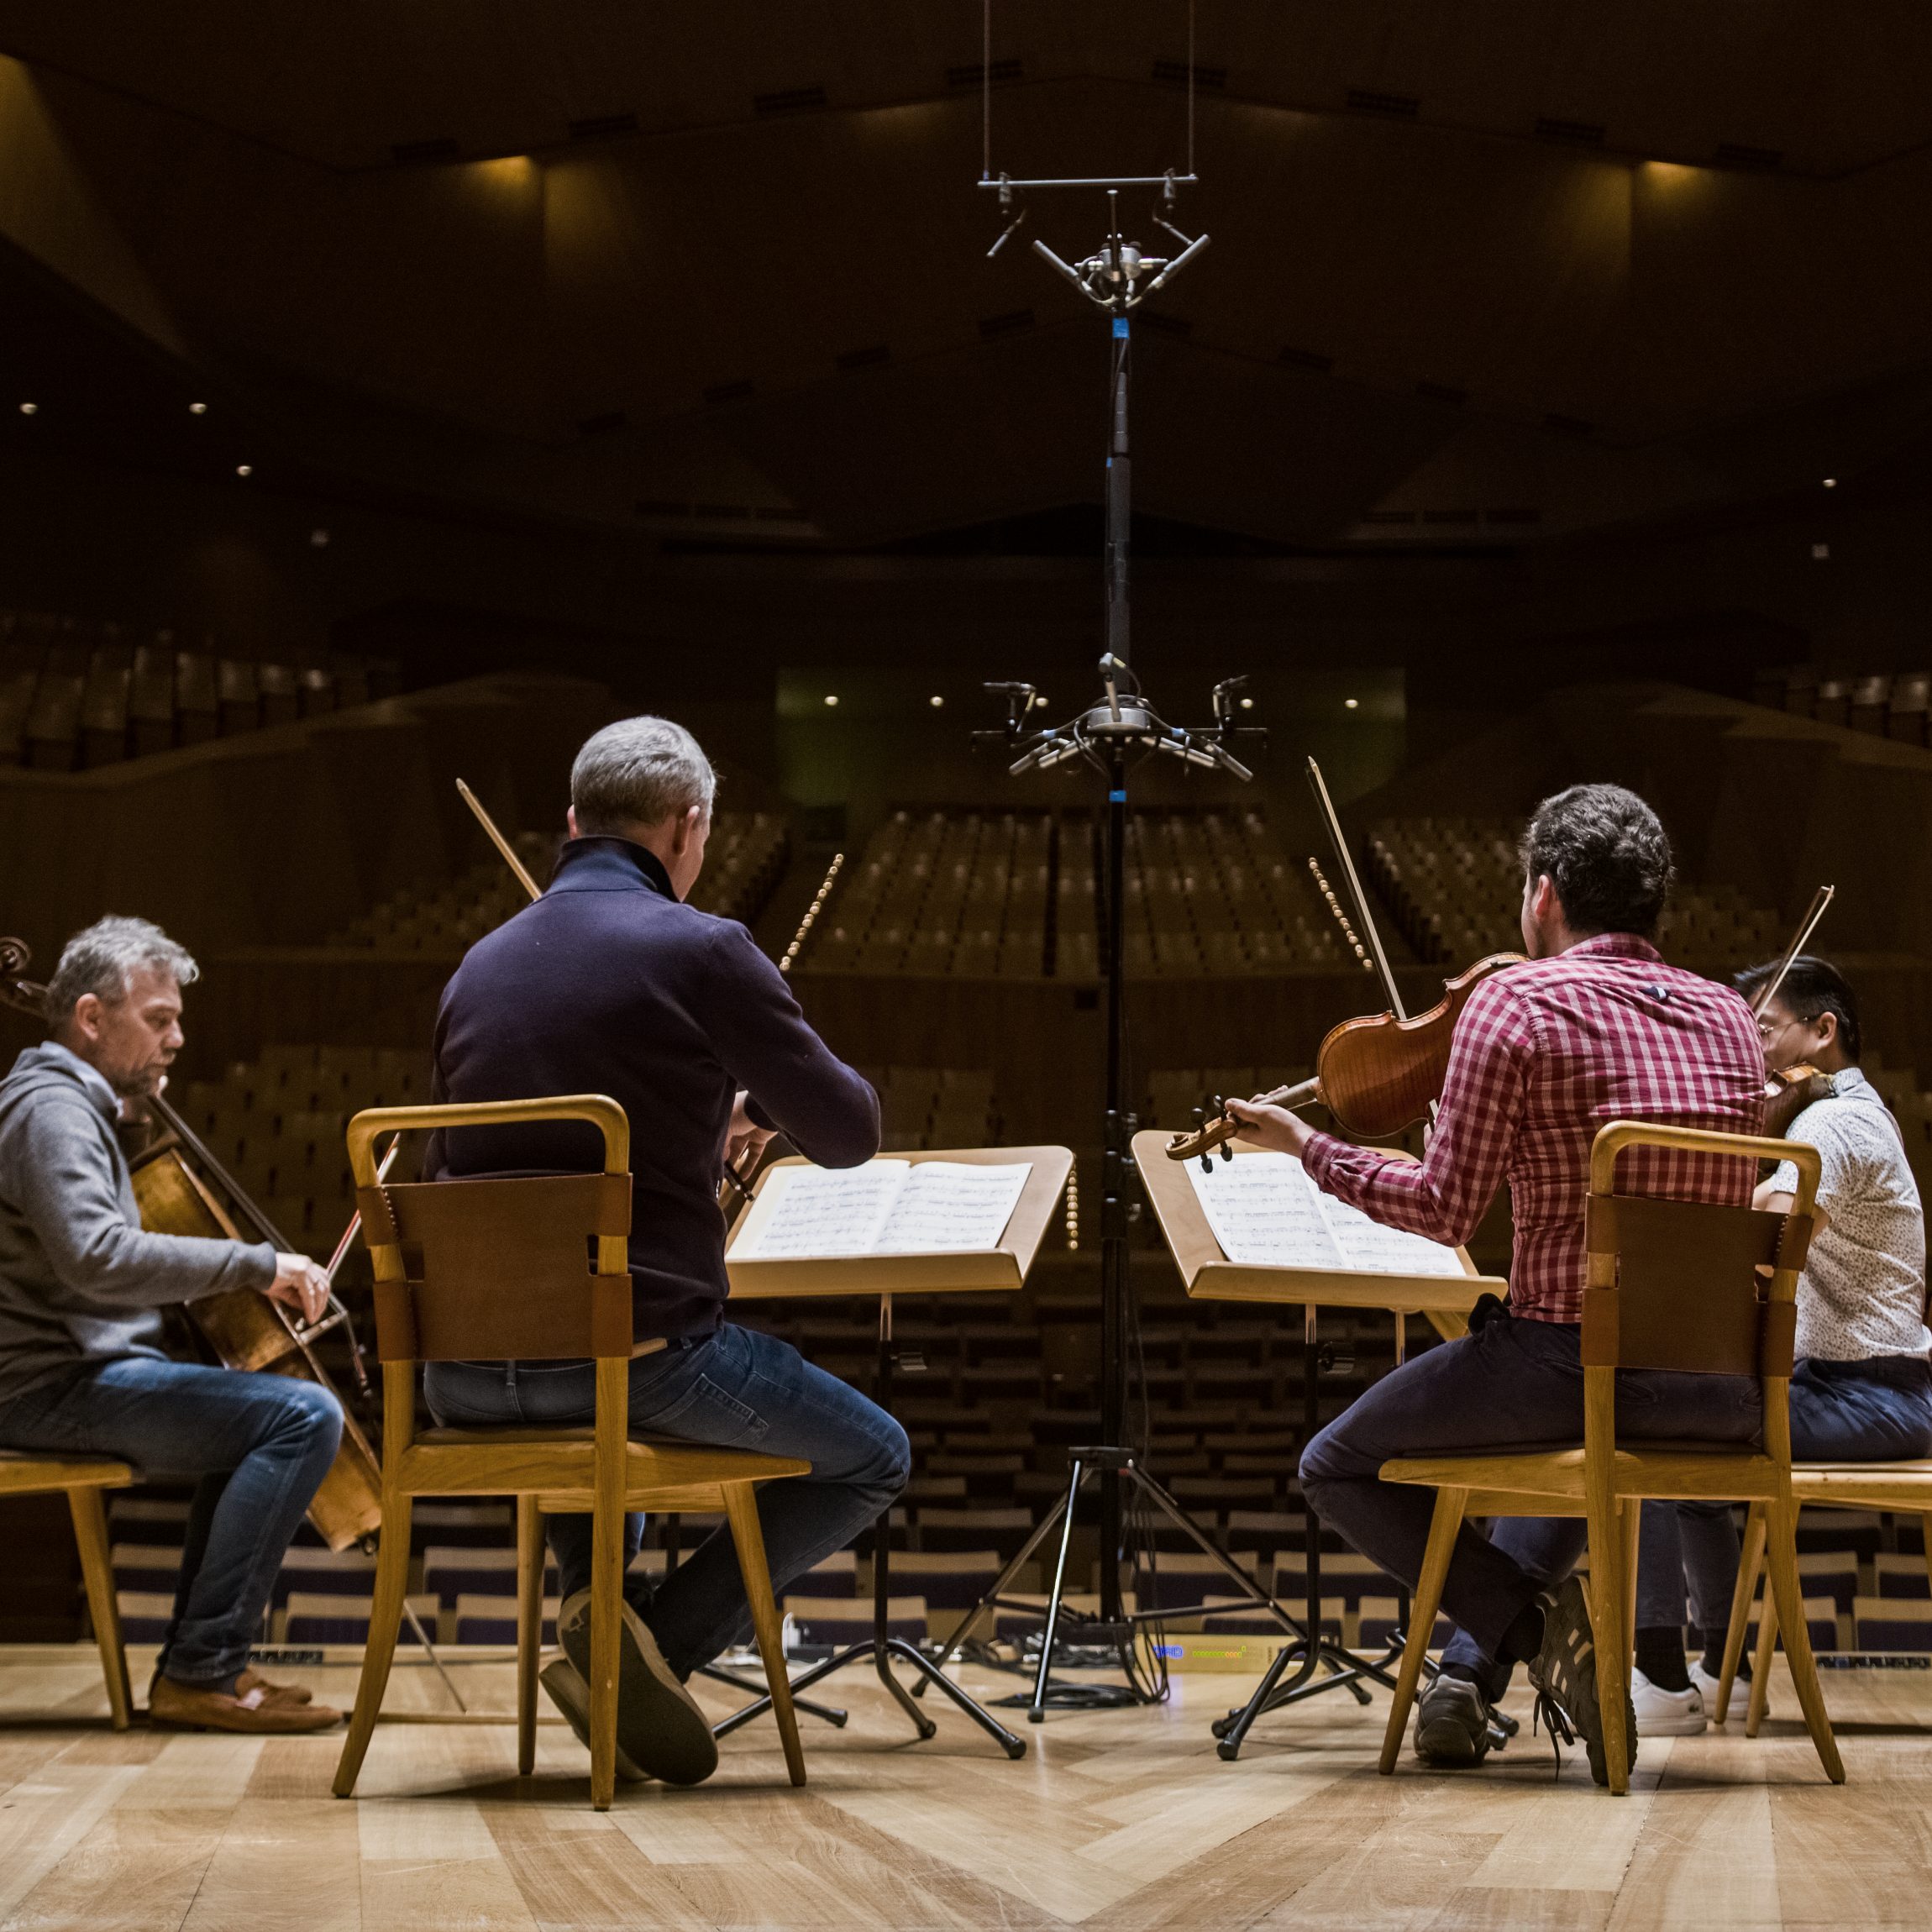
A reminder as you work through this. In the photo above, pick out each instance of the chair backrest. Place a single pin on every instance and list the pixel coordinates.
(494, 1269)
(1697, 1287)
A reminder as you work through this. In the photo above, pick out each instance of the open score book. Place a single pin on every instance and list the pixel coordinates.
(1266, 1212)
(885, 1207)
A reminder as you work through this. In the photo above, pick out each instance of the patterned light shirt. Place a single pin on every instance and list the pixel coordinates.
(1863, 1289)
(1544, 1054)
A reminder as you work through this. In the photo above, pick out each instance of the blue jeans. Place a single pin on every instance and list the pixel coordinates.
(1511, 1384)
(736, 1389)
(1878, 1410)
(261, 1445)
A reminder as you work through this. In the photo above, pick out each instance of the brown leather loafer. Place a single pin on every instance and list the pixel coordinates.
(253, 1679)
(186, 1707)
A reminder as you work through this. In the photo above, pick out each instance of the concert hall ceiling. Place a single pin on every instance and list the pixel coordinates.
(1482, 272)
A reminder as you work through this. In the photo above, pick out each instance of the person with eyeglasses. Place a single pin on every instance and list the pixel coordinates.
(1861, 1391)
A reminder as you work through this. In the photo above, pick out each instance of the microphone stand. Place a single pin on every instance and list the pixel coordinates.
(1111, 737)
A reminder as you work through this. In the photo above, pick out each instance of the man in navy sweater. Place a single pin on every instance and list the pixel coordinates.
(611, 983)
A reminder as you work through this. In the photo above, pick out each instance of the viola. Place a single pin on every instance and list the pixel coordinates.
(1376, 1075)
(182, 1190)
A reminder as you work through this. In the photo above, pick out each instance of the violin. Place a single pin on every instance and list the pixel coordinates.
(182, 1190)
(1378, 1074)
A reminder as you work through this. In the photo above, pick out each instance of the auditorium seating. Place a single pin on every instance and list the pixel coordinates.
(1453, 889)
(75, 695)
(1894, 704)
(743, 862)
(969, 895)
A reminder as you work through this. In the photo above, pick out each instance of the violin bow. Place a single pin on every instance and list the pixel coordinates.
(732, 1176)
(1345, 861)
(1808, 925)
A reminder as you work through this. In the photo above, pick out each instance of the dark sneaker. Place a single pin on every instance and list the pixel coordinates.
(1452, 1723)
(659, 1726)
(572, 1696)
(1565, 1675)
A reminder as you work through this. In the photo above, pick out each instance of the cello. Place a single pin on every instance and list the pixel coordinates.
(182, 1190)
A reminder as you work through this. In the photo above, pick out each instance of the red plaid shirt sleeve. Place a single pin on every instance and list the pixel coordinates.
(1447, 1193)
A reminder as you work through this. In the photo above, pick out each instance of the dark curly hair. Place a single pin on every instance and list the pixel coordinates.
(1606, 853)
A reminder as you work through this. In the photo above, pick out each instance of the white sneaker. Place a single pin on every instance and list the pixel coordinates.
(1665, 1714)
(1706, 1682)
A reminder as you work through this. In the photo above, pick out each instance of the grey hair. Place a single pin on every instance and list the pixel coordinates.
(104, 959)
(638, 771)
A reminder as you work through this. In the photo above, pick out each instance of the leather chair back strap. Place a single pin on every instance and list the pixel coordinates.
(500, 1269)
(1689, 1294)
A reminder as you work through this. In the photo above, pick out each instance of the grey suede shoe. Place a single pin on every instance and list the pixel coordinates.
(572, 1696)
(659, 1726)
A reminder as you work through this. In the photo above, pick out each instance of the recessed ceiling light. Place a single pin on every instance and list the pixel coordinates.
(244, 468)
(197, 409)
(1247, 704)
(936, 701)
(29, 408)
(831, 697)
(318, 538)
(1820, 553)
(1830, 482)
(1352, 704)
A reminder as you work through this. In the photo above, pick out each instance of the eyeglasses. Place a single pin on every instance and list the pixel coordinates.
(1769, 1030)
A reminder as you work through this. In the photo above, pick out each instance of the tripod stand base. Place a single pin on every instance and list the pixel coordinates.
(879, 1652)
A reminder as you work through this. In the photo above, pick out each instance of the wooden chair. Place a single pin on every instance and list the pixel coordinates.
(485, 1270)
(1904, 1487)
(1670, 1285)
(82, 1478)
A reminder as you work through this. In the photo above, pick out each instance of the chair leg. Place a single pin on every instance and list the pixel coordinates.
(1444, 1527)
(1749, 1560)
(741, 1510)
(98, 1574)
(1760, 1700)
(1781, 1557)
(606, 1610)
(529, 1627)
(1633, 1515)
(385, 1620)
(1612, 1641)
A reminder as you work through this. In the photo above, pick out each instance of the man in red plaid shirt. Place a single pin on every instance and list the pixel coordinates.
(1593, 1027)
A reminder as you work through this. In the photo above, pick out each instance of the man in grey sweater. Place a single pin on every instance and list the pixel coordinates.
(81, 1288)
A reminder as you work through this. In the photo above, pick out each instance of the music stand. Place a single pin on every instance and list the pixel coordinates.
(1208, 1275)
(1001, 1269)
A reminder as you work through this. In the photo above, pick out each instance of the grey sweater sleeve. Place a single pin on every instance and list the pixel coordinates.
(67, 1178)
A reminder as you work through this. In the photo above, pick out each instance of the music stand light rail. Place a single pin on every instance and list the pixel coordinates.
(1208, 1275)
(1002, 1270)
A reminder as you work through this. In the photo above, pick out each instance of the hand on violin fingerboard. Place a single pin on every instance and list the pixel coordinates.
(1270, 1126)
(299, 1283)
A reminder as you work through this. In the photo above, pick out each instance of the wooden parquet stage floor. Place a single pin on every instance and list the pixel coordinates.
(1124, 1821)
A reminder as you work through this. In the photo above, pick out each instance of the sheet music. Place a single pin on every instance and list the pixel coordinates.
(948, 1207)
(885, 1207)
(805, 1212)
(1378, 1249)
(1266, 1213)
